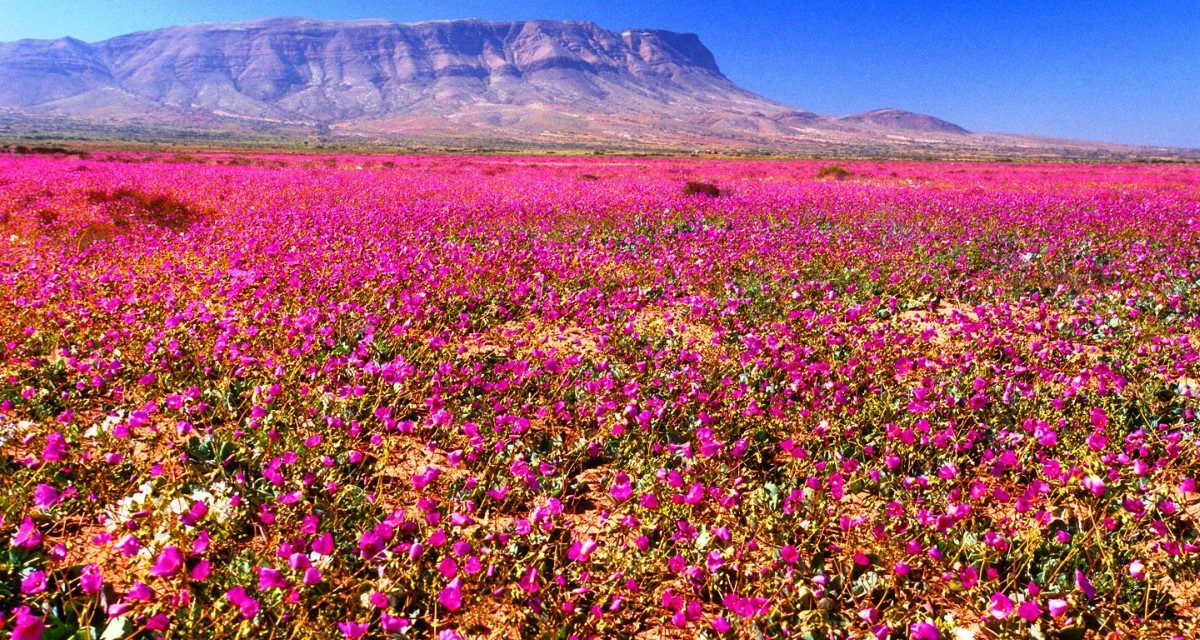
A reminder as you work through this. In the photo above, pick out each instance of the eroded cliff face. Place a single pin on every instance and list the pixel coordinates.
(468, 81)
(322, 71)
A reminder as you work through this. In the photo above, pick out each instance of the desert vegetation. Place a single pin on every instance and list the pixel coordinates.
(286, 396)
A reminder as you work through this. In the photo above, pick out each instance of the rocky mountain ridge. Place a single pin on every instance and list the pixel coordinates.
(557, 83)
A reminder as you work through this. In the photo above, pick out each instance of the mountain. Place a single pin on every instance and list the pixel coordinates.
(461, 82)
(899, 119)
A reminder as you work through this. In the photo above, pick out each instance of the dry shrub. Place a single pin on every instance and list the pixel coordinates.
(693, 188)
(833, 171)
(129, 206)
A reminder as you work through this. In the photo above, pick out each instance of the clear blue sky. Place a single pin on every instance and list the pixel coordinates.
(1123, 71)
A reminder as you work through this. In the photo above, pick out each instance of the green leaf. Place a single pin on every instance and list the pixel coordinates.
(116, 629)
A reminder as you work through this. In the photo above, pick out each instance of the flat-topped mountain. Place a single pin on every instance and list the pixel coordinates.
(461, 82)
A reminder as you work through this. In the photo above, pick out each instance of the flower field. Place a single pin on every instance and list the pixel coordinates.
(484, 397)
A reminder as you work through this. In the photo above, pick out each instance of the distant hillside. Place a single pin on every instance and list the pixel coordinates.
(568, 84)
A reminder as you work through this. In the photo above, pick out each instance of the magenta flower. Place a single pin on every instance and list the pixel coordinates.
(33, 583)
(1187, 486)
(622, 488)
(923, 631)
(529, 581)
(1094, 484)
(158, 622)
(789, 554)
(393, 624)
(27, 536)
(91, 580)
(129, 546)
(238, 597)
(323, 544)
(168, 563)
(55, 449)
(746, 607)
(351, 629)
(26, 626)
(140, 591)
(379, 600)
(451, 596)
(201, 571)
(45, 496)
(1001, 606)
(425, 478)
(269, 578)
(1029, 611)
(1084, 585)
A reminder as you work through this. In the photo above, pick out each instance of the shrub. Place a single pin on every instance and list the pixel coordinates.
(161, 210)
(693, 188)
(833, 171)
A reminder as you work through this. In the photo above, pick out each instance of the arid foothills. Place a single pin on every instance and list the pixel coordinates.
(454, 397)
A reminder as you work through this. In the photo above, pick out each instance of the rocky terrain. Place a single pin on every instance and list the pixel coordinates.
(539, 83)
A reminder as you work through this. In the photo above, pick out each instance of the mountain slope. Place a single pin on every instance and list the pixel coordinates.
(463, 81)
(899, 119)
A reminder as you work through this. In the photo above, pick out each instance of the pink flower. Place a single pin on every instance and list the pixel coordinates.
(1029, 611)
(622, 488)
(746, 607)
(91, 580)
(789, 554)
(1137, 570)
(1095, 484)
(129, 546)
(26, 625)
(158, 622)
(1057, 606)
(451, 596)
(1084, 585)
(27, 536)
(238, 597)
(351, 629)
(201, 571)
(529, 581)
(923, 631)
(323, 544)
(55, 449)
(1001, 607)
(393, 624)
(45, 496)
(140, 591)
(169, 561)
(448, 567)
(379, 600)
(269, 578)
(425, 478)
(1187, 486)
(33, 583)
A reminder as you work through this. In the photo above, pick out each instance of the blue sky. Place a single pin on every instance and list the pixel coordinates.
(1095, 69)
